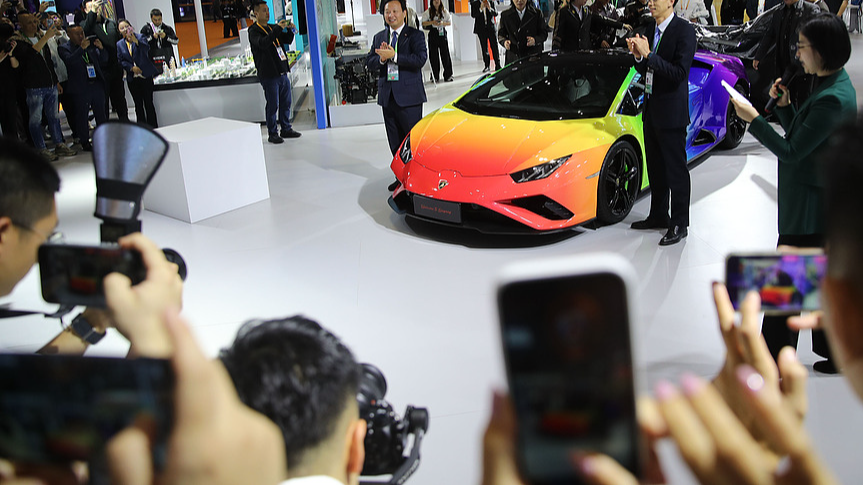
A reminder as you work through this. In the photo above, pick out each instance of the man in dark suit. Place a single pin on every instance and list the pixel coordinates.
(483, 13)
(105, 29)
(664, 57)
(522, 30)
(572, 27)
(398, 54)
(86, 85)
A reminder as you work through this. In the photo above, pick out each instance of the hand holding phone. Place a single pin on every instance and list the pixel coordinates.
(787, 283)
(736, 94)
(568, 350)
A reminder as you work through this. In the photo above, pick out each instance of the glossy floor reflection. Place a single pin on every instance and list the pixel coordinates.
(417, 300)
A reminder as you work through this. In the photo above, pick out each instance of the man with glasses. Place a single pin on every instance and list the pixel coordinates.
(28, 219)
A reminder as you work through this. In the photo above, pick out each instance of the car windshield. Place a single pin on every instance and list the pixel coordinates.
(547, 89)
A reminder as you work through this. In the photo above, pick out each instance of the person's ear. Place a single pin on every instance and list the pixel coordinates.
(356, 451)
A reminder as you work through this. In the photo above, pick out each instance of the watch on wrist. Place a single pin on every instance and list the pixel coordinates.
(84, 330)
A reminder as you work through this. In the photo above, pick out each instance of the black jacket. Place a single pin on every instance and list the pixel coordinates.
(668, 105)
(73, 56)
(782, 32)
(570, 32)
(106, 32)
(161, 50)
(263, 42)
(518, 30)
(483, 22)
(37, 68)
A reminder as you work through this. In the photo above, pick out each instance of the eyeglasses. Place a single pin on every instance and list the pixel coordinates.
(54, 237)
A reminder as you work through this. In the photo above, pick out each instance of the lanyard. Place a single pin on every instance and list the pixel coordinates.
(129, 46)
(269, 31)
(86, 58)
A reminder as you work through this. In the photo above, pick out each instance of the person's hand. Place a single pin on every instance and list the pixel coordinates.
(627, 27)
(4, 6)
(755, 63)
(52, 31)
(43, 6)
(162, 34)
(85, 43)
(531, 42)
(744, 344)
(498, 445)
(131, 37)
(137, 310)
(781, 92)
(136, 70)
(745, 112)
(385, 52)
(98, 44)
(638, 46)
(507, 44)
(216, 440)
(809, 321)
(59, 88)
(604, 45)
(283, 24)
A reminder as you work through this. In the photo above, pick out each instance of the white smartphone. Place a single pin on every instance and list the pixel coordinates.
(568, 347)
(735, 93)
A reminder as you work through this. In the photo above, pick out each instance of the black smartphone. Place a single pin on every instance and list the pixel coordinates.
(57, 408)
(570, 365)
(787, 283)
(73, 274)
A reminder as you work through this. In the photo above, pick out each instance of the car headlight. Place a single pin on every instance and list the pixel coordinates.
(405, 153)
(539, 171)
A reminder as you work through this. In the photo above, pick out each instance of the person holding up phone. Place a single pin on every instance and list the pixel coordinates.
(133, 52)
(162, 40)
(823, 48)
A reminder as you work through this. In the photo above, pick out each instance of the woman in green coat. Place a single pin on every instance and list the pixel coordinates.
(823, 48)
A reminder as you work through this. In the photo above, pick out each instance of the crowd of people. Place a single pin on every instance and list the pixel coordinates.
(79, 60)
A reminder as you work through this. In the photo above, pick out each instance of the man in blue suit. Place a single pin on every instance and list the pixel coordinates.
(664, 57)
(398, 54)
(87, 83)
(133, 52)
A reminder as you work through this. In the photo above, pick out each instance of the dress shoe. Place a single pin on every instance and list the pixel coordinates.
(674, 235)
(649, 224)
(449, 79)
(87, 147)
(290, 133)
(825, 367)
(485, 69)
(274, 138)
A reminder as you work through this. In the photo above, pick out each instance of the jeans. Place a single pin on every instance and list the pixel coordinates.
(277, 92)
(46, 98)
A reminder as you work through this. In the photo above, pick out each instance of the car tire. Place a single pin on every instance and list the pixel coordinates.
(735, 127)
(619, 183)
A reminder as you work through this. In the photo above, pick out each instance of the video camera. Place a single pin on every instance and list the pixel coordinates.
(126, 157)
(392, 444)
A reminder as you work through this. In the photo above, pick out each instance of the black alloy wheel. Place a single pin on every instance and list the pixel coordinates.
(735, 127)
(619, 183)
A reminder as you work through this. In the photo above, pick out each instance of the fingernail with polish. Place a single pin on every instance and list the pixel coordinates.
(664, 390)
(691, 384)
(750, 378)
(586, 464)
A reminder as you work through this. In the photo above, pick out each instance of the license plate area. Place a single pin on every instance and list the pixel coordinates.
(437, 209)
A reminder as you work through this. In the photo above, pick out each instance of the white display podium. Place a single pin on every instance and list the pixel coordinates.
(213, 166)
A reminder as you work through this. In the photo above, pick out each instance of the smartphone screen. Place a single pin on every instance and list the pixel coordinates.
(73, 274)
(785, 282)
(56, 409)
(567, 345)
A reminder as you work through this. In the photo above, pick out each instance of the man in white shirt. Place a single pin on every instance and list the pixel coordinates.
(305, 380)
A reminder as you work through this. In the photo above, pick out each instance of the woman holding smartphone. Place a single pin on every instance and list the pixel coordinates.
(823, 48)
(133, 53)
(435, 20)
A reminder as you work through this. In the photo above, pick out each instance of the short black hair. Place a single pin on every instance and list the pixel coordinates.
(28, 183)
(256, 4)
(842, 171)
(828, 35)
(384, 4)
(155, 13)
(297, 374)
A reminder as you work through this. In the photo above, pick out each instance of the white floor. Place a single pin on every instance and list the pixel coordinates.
(417, 300)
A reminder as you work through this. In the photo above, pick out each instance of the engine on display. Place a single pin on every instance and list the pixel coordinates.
(358, 85)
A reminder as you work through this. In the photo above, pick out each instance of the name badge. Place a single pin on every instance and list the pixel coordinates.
(392, 71)
(281, 53)
(648, 82)
(91, 72)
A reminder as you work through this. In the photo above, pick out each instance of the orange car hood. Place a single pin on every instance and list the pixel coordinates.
(473, 145)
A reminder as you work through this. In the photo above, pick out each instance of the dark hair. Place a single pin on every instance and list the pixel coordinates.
(842, 171)
(297, 374)
(120, 21)
(27, 183)
(828, 35)
(6, 31)
(384, 4)
(155, 13)
(436, 12)
(255, 5)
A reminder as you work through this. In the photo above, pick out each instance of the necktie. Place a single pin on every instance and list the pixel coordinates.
(656, 36)
(395, 39)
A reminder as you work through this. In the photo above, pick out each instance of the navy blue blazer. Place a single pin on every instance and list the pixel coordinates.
(73, 57)
(140, 56)
(670, 64)
(412, 55)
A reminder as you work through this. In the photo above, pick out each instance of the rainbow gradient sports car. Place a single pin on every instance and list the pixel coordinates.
(551, 142)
